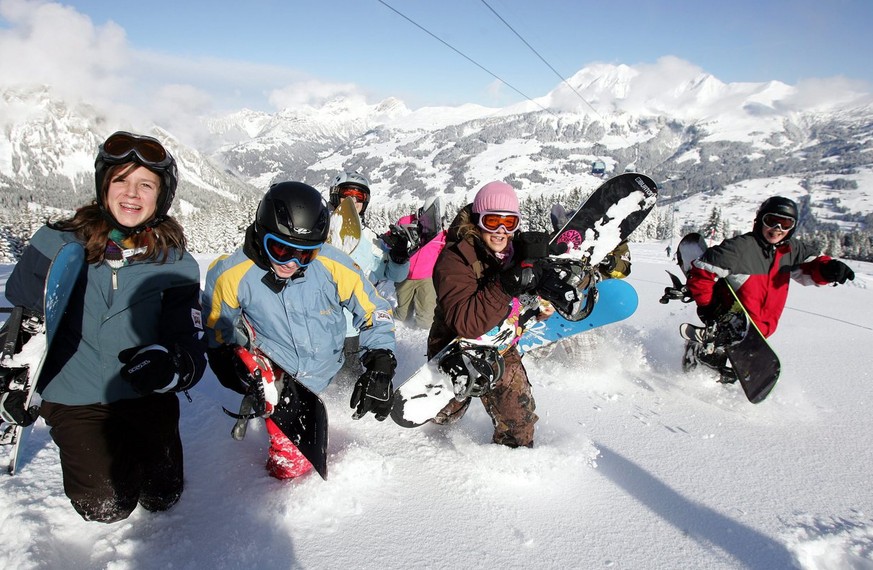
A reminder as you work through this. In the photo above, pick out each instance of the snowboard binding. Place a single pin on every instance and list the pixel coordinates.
(711, 356)
(474, 369)
(707, 345)
(570, 287)
(676, 292)
(256, 371)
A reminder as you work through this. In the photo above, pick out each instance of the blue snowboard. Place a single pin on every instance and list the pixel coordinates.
(616, 301)
(61, 279)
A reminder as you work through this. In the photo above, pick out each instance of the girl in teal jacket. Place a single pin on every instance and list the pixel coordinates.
(131, 336)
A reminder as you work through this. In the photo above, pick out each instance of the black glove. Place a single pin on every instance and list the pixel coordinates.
(228, 368)
(531, 245)
(608, 264)
(154, 368)
(522, 277)
(398, 245)
(373, 391)
(535, 245)
(12, 408)
(399, 252)
(835, 271)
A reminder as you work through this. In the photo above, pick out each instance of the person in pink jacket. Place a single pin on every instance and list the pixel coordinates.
(416, 297)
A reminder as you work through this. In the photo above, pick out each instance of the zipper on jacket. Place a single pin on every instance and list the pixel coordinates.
(115, 280)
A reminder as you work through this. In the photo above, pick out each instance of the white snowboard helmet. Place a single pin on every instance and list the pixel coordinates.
(346, 180)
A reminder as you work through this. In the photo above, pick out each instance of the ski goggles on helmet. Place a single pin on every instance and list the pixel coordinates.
(352, 192)
(773, 221)
(493, 221)
(126, 147)
(282, 252)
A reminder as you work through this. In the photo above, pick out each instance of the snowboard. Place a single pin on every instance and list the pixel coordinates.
(299, 413)
(752, 360)
(462, 369)
(607, 217)
(571, 281)
(617, 300)
(302, 417)
(61, 279)
(345, 226)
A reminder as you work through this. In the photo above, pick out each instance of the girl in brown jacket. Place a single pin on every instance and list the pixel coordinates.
(476, 278)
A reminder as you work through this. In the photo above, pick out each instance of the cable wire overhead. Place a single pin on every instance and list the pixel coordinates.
(462, 54)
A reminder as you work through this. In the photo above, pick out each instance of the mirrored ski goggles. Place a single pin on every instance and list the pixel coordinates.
(282, 252)
(124, 147)
(356, 193)
(491, 222)
(774, 221)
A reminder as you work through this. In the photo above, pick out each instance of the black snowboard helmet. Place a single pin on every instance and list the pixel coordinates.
(349, 180)
(122, 147)
(295, 212)
(780, 206)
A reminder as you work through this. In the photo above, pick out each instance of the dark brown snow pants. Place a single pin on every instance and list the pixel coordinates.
(116, 455)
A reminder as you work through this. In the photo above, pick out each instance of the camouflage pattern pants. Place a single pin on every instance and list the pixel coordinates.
(510, 404)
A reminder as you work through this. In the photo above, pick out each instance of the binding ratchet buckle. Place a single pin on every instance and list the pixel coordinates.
(474, 369)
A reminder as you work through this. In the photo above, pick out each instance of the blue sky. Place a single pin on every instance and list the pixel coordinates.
(263, 53)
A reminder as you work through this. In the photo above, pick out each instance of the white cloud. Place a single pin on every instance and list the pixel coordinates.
(832, 92)
(46, 43)
(53, 44)
(312, 92)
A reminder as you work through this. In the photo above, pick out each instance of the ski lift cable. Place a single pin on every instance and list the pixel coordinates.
(555, 71)
(465, 56)
(830, 318)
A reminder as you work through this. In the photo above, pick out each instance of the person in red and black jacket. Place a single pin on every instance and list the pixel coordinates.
(758, 265)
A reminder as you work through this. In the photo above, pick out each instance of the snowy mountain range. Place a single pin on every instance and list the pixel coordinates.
(691, 132)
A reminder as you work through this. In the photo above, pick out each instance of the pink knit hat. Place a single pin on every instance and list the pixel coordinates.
(496, 197)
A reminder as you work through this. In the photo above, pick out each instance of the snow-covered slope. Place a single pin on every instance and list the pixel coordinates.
(636, 465)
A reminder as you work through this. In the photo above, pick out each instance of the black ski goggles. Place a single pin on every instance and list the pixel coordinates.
(283, 252)
(124, 147)
(773, 221)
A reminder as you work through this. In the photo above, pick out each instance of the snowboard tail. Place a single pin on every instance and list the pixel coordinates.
(299, 413)
(345, 226)
(617, 300)
(608, 217)
(302, 417)
(61, 279)
(756, 363)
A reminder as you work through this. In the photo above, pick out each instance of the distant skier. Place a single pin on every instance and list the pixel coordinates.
(758, 265)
